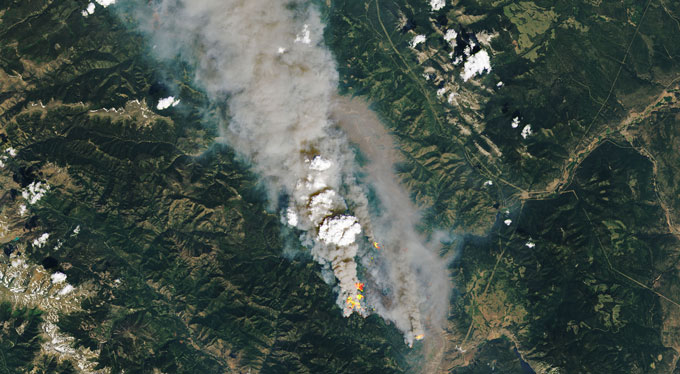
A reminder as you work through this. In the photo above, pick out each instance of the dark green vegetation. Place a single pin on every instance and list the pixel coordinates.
(586, 288)
(571, 92)
(185, 262)
(202, 279)
(594, 188)
(496, 356)
(20, 343)
(377, 63)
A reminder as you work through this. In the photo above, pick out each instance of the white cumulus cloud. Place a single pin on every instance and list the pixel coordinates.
(66, 290)
(291, 217)
(417, 40)
(89, 10)
(58, 277)
(280, 119)
(40, 241)
(476, 64)
(304, 36)
(320, 164)
(167, 102)
(341, 230)
(450, 37)
(437, 4)
(322, 204)
(35, 191)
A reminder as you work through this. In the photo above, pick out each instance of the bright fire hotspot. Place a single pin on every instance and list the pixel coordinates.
(351, 303)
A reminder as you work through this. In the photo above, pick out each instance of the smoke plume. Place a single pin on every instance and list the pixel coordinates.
(267, 60)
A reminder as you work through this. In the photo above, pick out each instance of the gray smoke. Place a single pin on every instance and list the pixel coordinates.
(266, 58)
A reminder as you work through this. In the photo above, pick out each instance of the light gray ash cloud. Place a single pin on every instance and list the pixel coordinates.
(267, 60)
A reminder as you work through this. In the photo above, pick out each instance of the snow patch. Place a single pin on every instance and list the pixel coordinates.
(526, 131)
(12, 152)
(476, 64)
(22, 209)
(105, 3)
(530, 244)
(515, 122)
(508, 222)
(488, 183)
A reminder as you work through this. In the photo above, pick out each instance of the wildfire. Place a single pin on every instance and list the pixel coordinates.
(351, 304)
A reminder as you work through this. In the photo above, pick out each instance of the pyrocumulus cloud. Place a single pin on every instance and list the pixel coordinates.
(267, 60)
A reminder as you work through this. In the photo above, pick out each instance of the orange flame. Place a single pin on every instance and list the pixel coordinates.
(352, 304)
(359, 286)
(376, 245)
